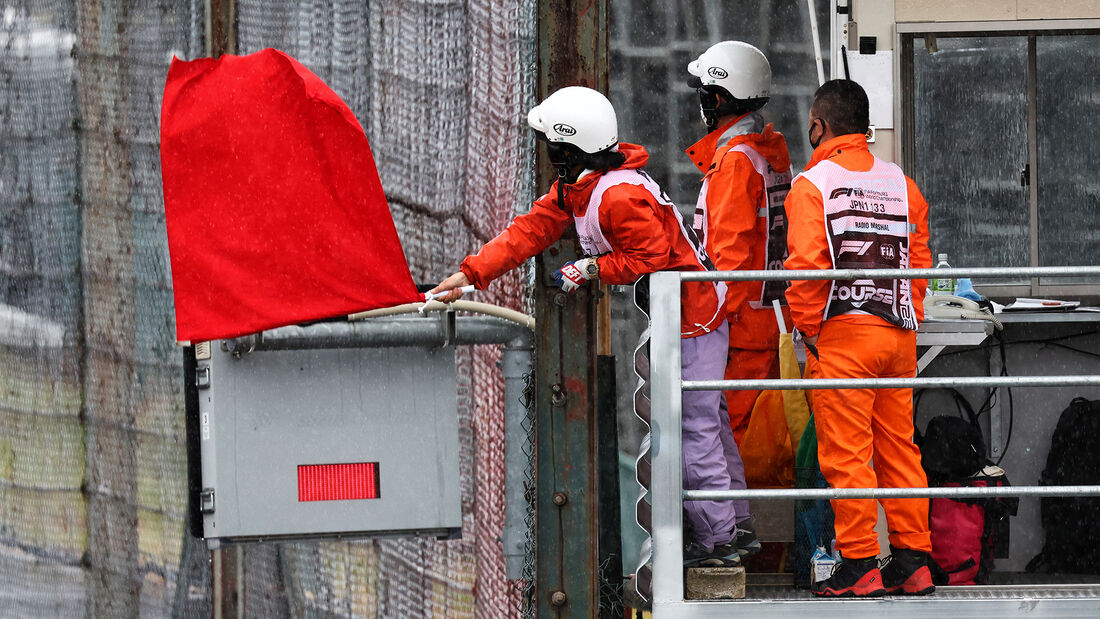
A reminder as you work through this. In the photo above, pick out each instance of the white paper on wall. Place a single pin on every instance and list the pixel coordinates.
(875, 72)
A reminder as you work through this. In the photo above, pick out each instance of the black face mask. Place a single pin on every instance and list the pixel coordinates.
(810, 133)
(708, 107)
(711, 108)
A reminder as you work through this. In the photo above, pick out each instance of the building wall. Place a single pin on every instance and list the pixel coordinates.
(989, 10)
(878, 17)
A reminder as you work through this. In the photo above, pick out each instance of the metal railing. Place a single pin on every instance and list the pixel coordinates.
(666, 490)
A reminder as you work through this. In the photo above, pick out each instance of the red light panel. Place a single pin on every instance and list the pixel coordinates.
(338, 482)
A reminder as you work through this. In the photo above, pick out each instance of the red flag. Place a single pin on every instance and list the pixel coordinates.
(274, 210)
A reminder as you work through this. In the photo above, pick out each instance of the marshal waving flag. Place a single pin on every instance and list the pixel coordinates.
(274, 209)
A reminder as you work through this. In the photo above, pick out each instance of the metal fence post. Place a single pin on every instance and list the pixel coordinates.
(572, 51)
(227, 563)
(666, 488)
(518, 362)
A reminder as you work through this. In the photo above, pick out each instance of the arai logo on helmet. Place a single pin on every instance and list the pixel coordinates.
(717, 73)
(564, 129)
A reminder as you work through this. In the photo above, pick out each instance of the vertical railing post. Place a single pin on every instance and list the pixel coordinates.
(572, 51)
(666, 488)
(227, 563)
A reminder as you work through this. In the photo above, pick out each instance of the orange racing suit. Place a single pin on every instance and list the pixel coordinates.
(646, 237)
(851, 210)
(746, 169)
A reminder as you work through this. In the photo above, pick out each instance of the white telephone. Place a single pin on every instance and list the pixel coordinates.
(950, 307)
(949, 304)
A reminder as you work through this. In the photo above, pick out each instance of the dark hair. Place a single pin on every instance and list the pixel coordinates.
(570, 155)
(605, 160)
(842, 104)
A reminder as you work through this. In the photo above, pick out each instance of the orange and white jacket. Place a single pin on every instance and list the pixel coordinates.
(645, 236)
(728, 217)
(809, 245)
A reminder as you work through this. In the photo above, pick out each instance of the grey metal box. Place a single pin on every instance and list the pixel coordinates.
(263, 415)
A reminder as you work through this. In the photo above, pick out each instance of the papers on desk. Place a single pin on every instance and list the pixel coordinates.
(1041, 305)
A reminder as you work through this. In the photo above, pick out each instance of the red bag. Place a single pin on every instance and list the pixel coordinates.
(957, 529)
(963, 530)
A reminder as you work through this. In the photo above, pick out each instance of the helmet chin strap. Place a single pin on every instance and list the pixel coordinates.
(564, 159)
(562, 175)
(568, 161)
(564, 163)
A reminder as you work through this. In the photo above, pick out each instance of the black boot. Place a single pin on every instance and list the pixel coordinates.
(744, 539)
(852, 578)
(906, 572)
(720, 556)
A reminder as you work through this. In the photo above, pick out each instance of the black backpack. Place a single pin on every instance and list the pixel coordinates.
(1072, 524)
(951, 447)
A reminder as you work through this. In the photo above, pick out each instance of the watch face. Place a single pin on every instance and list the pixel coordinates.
(592, 269)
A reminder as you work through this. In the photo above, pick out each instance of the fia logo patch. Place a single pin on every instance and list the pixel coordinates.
(846, 191)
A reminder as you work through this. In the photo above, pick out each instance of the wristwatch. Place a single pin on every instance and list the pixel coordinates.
(592, 269)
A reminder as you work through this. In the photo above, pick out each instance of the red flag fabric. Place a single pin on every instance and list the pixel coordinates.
(274, 209)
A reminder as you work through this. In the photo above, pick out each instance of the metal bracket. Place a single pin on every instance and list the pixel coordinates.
(928, 356)
(557, 395)
(996, 444)
(206, 501)
(202, 377)
(448, 320)
(241, 345)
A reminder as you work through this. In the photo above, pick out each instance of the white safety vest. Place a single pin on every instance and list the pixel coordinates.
(594, 243)
(867, 221)
(776, 186)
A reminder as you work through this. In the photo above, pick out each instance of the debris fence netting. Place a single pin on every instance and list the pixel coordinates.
(92, 449)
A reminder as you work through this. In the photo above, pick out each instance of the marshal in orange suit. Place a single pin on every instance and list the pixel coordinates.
(850, 209)
(739, 214)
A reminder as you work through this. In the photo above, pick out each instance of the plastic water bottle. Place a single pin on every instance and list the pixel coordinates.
(943, 285)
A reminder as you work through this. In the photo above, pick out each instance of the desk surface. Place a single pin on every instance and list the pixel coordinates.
(1033, 317)
(955, 326)
(953, 332)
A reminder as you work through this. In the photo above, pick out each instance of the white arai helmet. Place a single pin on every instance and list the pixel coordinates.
(738, 68)
(578, 116)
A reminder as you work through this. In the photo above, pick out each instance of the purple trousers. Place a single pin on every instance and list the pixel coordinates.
(710, 457)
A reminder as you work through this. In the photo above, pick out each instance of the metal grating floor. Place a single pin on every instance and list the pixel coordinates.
(1012, 595)
(991, 592)
(1029, 598)
(776, 587)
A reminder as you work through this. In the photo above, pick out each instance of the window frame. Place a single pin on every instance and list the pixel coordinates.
(905, 34)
